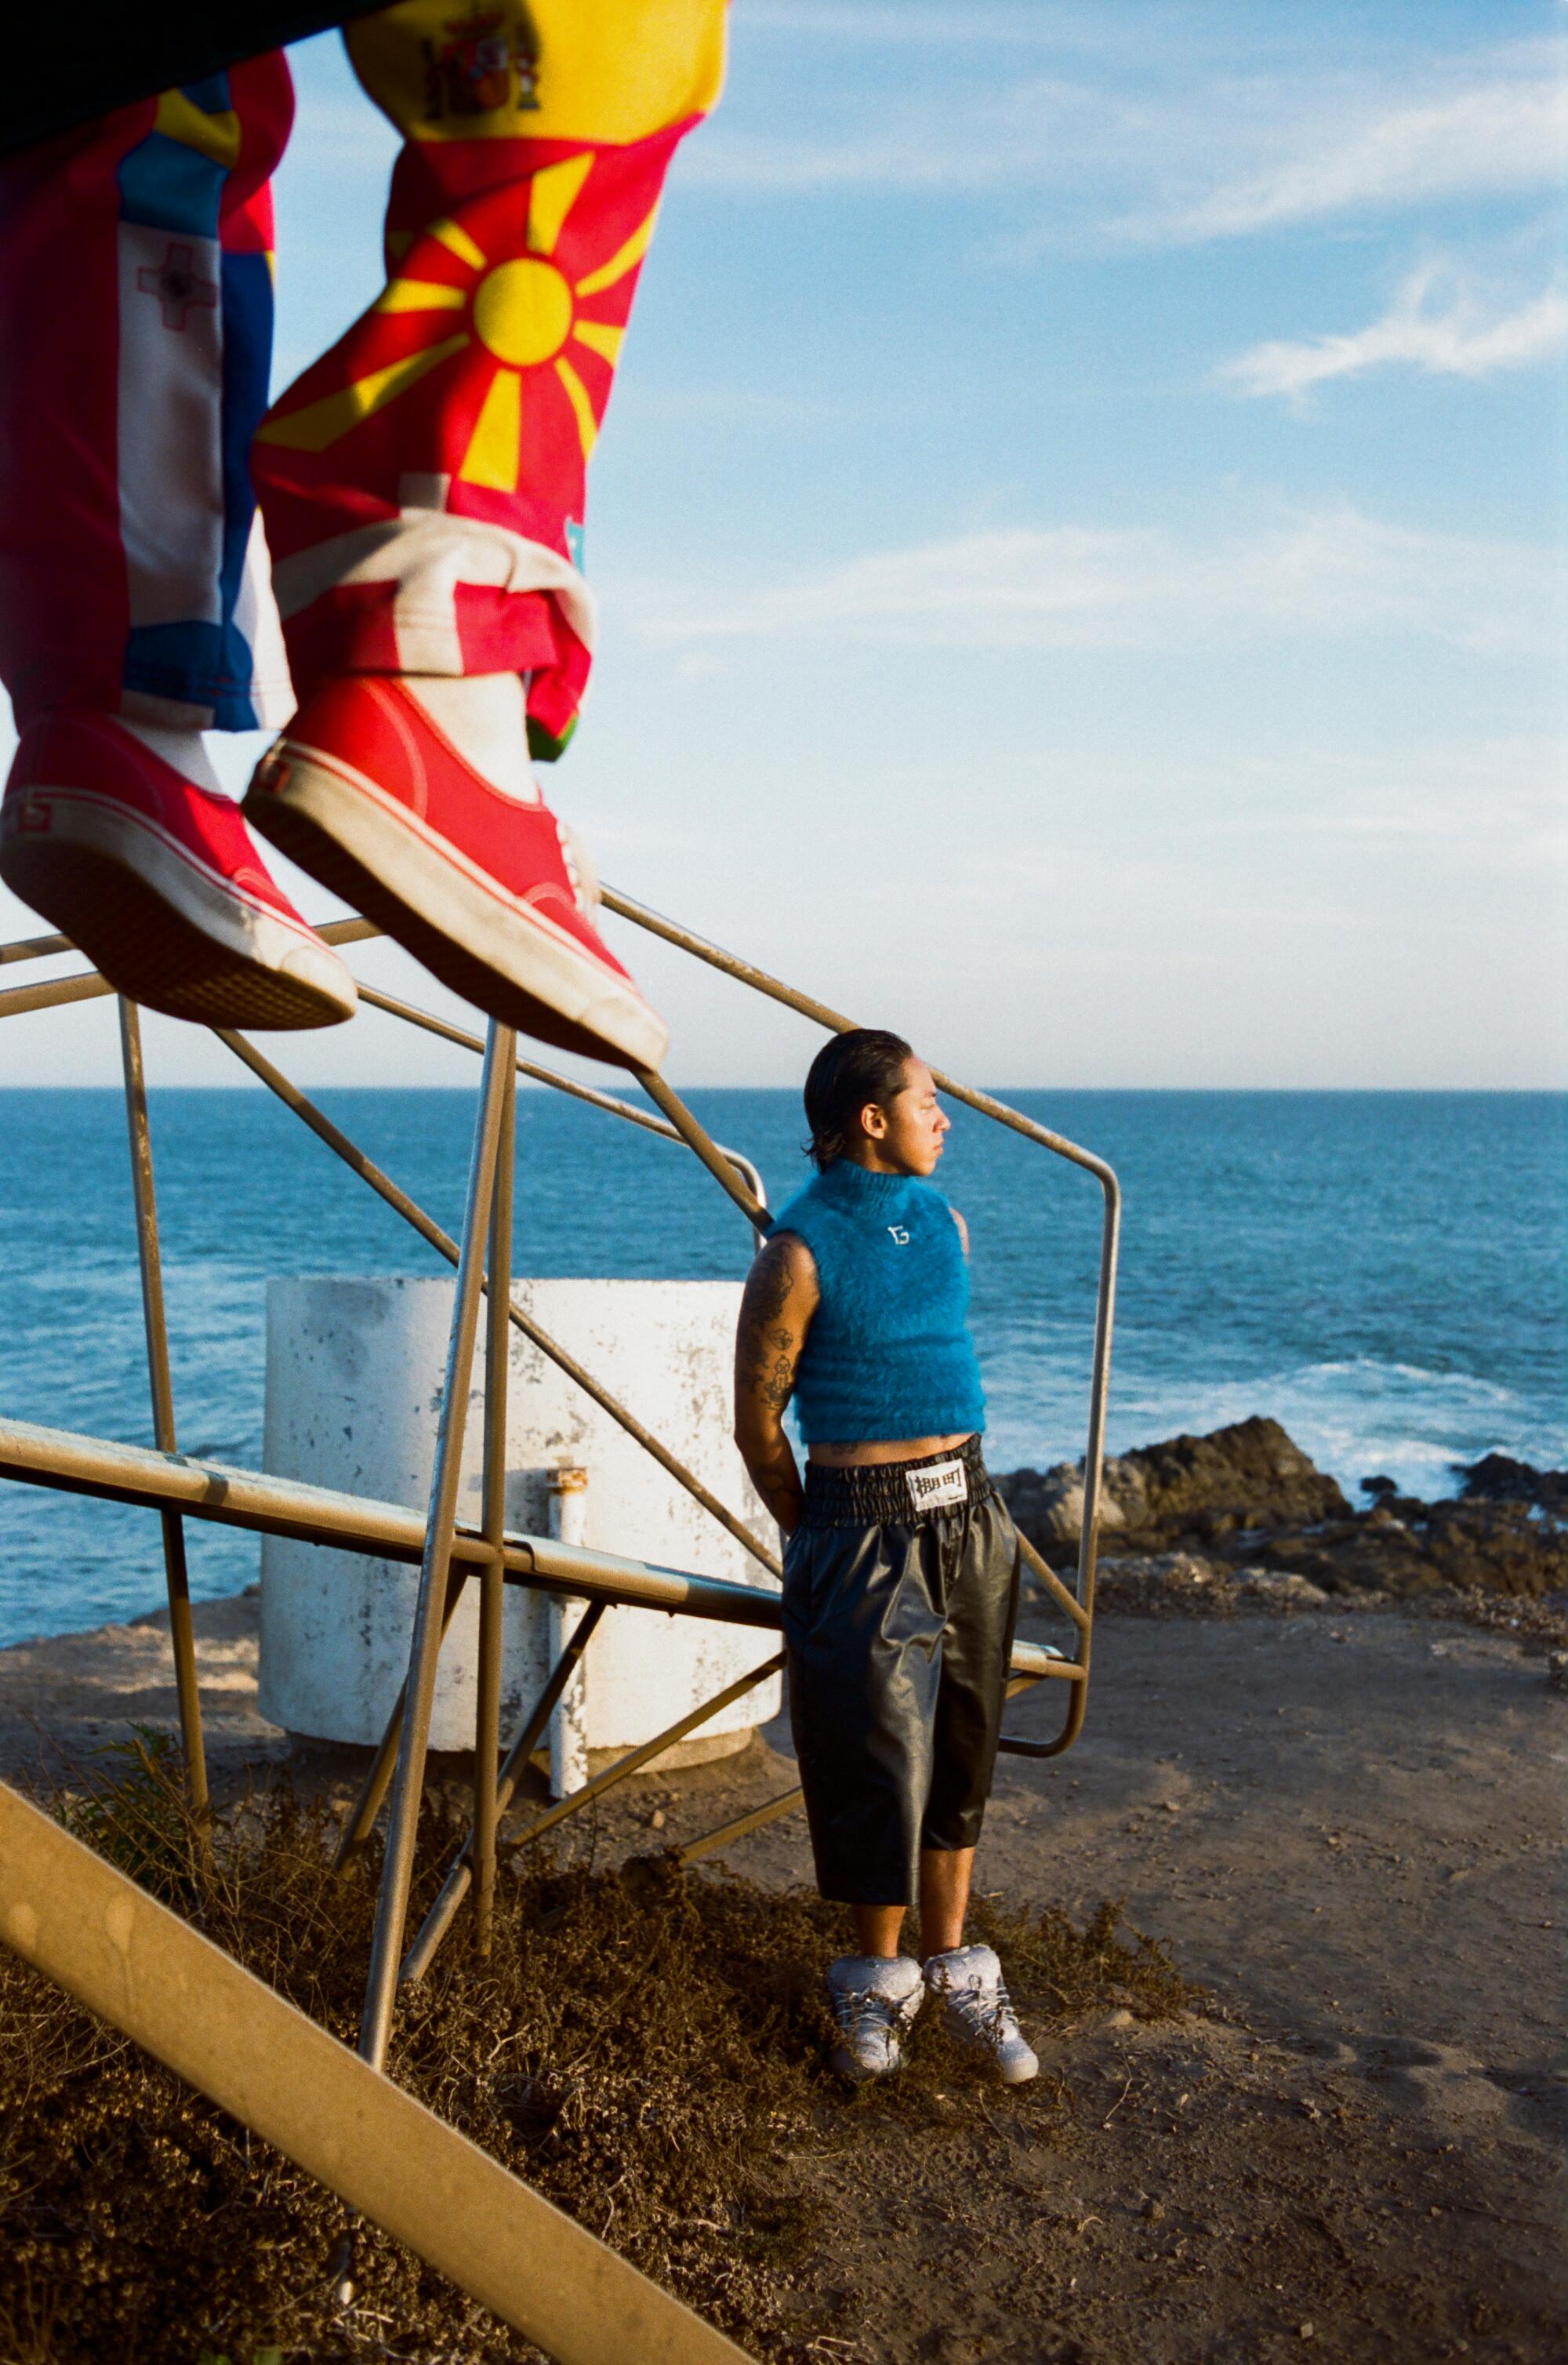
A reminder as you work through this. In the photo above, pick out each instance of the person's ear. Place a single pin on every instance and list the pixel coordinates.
(874, 1121)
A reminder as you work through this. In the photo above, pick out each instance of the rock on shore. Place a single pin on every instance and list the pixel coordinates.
(1245, 1502)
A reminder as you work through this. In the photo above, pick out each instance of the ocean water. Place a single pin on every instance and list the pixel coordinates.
(1383, 1273)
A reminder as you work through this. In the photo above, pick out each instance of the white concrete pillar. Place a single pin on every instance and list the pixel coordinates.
(354, 1373)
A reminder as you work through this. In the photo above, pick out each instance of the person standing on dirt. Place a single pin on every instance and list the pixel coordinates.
(901, 1564)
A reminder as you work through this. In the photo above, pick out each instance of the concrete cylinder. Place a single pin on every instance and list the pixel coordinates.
(355, 1370)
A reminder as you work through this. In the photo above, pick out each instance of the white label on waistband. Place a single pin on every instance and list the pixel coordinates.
(942, 1482)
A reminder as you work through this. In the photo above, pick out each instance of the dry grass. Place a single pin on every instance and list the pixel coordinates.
(644, 2045)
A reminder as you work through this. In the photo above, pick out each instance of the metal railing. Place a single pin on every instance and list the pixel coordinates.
(447, 1553)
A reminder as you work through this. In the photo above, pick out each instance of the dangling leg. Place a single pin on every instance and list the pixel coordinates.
(423, 493)
(135, 604)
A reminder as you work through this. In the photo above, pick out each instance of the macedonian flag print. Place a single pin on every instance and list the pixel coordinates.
(488, 357)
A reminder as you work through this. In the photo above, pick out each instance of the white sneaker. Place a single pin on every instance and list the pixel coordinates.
(873, 2001)
(977, 2011)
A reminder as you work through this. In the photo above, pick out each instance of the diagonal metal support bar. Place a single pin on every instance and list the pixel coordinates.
(181, 1635)
(427, 1020)
(428, 1229)
(34, 948)
(456, 1886)
(1068, 1603)
(492, 1581)
(743, 1825)
(89, 985)
(392, 1907)
(379, 1775)
(637, 1759)
(706, 1148)
(88, 1928)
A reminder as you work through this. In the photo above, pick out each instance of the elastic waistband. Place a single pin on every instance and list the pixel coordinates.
(898, 1494)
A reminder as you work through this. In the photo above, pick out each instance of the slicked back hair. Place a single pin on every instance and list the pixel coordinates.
(866, 1064)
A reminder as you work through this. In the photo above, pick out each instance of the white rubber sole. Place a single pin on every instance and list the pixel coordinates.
(498, 951)
(163, 927)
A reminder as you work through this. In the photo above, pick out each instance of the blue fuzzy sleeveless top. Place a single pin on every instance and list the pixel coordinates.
(889, 1352)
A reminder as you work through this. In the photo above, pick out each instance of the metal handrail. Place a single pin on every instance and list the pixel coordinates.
(441, 1547)
(726, 1165)
(233, 1496)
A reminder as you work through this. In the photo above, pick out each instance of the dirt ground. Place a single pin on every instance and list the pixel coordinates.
(1347, 1828)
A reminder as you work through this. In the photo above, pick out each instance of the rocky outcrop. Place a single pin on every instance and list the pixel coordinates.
(1498, 1479)
(1188, 1492)
(1247, 1505)
(1499, 1547)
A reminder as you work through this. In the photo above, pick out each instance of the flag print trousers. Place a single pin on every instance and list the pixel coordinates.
(421, 487)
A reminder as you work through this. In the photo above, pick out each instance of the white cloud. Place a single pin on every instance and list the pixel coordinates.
(1461, 340)
(1501, 137)
(1331, 573)
(1156, 142)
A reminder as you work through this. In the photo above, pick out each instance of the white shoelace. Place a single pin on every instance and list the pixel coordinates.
(988, 2011)
(865, 2010)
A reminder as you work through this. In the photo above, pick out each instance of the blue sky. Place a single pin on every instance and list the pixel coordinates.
(1076, 535)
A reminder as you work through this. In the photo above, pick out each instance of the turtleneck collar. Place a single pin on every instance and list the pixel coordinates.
(859, 1186)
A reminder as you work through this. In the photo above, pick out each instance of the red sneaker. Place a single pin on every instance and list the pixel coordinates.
(155, 879)
(367, 792)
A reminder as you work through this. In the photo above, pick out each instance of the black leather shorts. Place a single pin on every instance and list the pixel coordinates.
(898, 1609)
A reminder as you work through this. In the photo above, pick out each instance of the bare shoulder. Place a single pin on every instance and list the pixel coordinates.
(963, 1228)
(783, 1277)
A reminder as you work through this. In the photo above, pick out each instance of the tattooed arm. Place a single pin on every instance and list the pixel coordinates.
(781, 1295)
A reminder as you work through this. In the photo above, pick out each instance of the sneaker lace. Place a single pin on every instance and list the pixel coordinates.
(988, 2011)
(867, 2012)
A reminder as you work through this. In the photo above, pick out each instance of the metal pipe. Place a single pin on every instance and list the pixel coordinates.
(84, 1925)
(1065, 1601)
(26, 948)
(497, 1355)
(444, 1245)
(320, 1515)
(455, 1888)
(637, 1759)
(384, 1530)
(1093, 1468)
(746, 973)
(707, 1150)
(34, 948)
(1094, 1454)
(568, 1726)
(409, 1011)
(373, 1789)
(408, 1786)
(182, 1634)
(82, 985)
(1012, 1744)
(711, 1841)
(87, 985)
